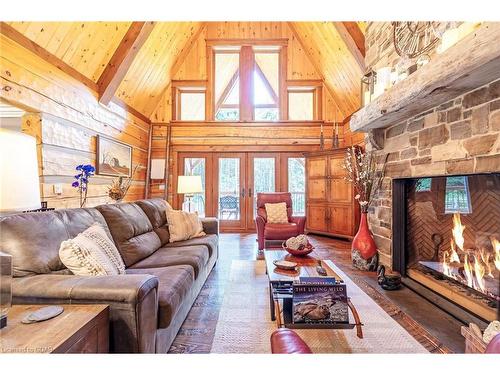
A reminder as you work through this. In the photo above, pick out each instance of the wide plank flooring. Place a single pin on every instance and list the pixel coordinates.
(436, 330)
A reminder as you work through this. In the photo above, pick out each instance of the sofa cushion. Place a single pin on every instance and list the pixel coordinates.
(33, 239)
(131, 230)
(92, 253)
(195, 256)
(175, 283)
(155, 211)
(210, 240)
(280, 231)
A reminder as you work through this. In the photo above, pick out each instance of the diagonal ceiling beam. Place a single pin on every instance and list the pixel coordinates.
(354, 40)
(332, 93)
(38, 50)
(122, 59)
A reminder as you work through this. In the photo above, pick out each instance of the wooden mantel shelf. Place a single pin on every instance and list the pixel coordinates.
(470, 63)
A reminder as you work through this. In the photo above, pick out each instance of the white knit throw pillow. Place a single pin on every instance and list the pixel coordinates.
(92, 253)
(183, 225)
(276, 213)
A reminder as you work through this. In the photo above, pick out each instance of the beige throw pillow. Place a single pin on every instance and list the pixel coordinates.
(183, 225)
(92, 253)
(276, 213)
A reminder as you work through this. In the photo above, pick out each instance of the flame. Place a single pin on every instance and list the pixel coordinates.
(454, 256)
(496, 248)
(468, 272)
(479, 271)
(458, 230)
(485, 258)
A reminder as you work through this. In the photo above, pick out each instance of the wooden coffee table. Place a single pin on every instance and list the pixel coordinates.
(280, 282)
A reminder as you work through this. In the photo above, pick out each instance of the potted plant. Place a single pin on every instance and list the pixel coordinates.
(82, 181)
(362, 172)
(119, 186)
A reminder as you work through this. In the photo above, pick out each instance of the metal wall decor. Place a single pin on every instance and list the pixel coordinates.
(412, 39)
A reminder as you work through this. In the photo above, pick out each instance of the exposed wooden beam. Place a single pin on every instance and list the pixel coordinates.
(38, 50)
(332, 93)
(348, 34)
(122, 59)
(357, 35)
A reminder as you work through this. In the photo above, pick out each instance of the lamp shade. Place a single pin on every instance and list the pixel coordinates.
(189, 185)
(19, 180)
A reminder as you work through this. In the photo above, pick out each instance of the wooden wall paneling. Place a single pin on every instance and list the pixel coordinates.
(300, 66)
(71, 117)
(84, 46)
(194, 62)
(149, 74)
(330, 56)
(122, 59)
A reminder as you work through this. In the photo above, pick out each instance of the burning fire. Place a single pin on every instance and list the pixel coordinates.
(477, 263)
(458, 231)
(496, 248)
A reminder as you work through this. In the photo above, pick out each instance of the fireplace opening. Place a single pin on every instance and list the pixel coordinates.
(451, 241)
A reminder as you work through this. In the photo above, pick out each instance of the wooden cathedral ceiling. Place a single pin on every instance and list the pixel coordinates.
(335, 49)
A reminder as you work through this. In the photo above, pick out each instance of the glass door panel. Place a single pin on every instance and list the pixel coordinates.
(264, 178)
(297, 184)
(197, 167)
(230, 190)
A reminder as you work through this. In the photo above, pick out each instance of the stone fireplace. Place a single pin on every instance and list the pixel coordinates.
(440, 128)
(458, 138)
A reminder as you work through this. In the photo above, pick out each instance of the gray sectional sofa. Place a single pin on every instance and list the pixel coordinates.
(147, 305)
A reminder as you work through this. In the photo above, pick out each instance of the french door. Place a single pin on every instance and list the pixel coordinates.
(231, 182)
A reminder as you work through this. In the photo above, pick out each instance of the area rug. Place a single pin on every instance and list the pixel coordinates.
(245, 325)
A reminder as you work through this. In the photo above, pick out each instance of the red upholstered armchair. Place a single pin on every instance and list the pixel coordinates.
(265, 231)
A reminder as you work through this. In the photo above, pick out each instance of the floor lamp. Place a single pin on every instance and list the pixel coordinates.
(189, 185)
(19, 191)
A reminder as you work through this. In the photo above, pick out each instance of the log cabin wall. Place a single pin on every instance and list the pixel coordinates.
(65, 116)
(301, 65)
(460, 136)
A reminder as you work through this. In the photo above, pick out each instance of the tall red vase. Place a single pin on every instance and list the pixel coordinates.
(363, 241)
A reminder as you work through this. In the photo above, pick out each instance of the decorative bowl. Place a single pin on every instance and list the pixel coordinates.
(301, 251)
(285, 265)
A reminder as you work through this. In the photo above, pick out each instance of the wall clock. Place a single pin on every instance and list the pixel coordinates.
(412, 39)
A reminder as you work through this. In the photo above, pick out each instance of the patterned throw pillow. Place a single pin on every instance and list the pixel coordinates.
(183, 225)
(92, 253)
(276, 213)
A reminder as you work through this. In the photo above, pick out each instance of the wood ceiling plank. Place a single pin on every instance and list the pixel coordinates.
(122, 59)
(35, 48)
(352, 45)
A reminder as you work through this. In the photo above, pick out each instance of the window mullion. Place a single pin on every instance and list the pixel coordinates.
(247, 65)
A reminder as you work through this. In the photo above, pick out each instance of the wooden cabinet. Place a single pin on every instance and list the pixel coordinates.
(330, 204)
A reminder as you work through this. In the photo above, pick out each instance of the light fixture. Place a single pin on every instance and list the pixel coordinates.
(19, 180)
(189, 185)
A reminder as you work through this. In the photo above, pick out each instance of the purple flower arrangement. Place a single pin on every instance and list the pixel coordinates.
(82, 181)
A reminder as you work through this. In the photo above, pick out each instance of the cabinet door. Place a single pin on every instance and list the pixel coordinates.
(316, 190)
(339, 191)
(317, 167)
(317, 218)
(335, 166)
(341, 220)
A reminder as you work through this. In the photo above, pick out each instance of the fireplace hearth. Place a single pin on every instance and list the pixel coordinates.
(447, 238)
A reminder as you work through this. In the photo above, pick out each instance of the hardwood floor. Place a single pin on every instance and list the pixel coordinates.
(435, 329)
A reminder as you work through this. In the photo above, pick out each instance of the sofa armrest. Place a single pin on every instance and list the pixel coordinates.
(132, 300)
(301, 223)
(210, 225)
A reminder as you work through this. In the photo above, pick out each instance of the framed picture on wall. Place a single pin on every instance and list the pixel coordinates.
(114, 158)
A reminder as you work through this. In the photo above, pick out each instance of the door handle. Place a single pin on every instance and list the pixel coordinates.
(250, 192)
(243, 193)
